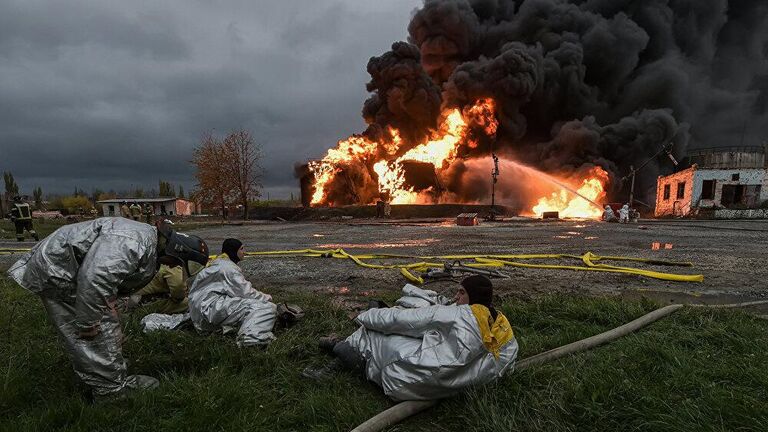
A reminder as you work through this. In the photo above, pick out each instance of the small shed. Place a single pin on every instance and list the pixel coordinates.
(467, 219)
(166, 206)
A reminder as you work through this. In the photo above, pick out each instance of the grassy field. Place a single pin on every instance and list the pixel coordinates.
(698, 370)
(47, 226)
(43, 228)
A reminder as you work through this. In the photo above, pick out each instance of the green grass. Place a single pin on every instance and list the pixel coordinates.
(696, 370)
(43, 228)
(46, 226)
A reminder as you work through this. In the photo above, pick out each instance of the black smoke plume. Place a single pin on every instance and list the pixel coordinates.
(581, 82)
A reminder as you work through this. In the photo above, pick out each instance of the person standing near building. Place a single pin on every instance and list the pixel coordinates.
(135, 210)
(148, 212)
(124, 210)
(21, 216)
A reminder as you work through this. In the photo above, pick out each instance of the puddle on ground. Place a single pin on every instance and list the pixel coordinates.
(659, 246)
(401, 244)
(573, 233)
(562, 237)
(591, 238)
(672, 297)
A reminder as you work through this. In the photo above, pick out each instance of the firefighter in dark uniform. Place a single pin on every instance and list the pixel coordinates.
(148, 213)
(21, 215)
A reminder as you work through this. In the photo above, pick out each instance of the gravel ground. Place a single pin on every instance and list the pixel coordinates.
(732, 255)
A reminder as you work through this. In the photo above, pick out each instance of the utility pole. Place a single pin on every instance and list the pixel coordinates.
(494, 178)
(667, 148)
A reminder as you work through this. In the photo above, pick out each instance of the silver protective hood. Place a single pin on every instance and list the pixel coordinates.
(220, 298)
(428, 352)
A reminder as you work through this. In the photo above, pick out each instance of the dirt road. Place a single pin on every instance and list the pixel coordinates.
(732, 255)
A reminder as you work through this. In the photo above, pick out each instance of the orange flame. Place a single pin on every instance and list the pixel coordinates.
(440, 150)
(570, 205)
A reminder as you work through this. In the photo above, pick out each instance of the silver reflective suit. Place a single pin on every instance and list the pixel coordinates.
(77, 271)
(428, 352)
(220, 298)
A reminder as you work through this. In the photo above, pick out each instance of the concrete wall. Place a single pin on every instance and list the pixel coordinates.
(723, 177)
(674, 206)
(741, 214)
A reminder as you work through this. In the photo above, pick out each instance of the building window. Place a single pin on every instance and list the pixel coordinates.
(708, 190)
(680, 190)
(666, 192)
(735, 177)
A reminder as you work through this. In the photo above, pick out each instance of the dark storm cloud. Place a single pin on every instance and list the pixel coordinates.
(114, 94)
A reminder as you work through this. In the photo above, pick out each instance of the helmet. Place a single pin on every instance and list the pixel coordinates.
(188, 249)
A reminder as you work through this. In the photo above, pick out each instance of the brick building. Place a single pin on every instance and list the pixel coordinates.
(735, 179)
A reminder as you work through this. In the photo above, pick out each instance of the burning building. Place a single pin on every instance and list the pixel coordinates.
(567, 94)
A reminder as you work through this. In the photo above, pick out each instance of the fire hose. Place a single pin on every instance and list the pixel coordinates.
(406, 409)
(589, 260)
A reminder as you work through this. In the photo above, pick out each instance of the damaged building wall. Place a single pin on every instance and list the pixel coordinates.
(691, 189)
(746, 188)
(674, 192)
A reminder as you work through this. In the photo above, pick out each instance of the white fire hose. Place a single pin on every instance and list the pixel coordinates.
(406, 409)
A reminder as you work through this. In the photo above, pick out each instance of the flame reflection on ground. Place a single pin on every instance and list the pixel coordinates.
(402, 244)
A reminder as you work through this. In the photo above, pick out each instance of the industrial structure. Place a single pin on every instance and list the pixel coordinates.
(727, 182)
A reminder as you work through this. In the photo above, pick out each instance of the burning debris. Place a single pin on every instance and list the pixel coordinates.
(568, 95)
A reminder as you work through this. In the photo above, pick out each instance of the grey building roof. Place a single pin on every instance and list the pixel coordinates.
(141, 200)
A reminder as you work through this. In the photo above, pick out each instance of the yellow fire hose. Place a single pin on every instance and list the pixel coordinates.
(589, 260)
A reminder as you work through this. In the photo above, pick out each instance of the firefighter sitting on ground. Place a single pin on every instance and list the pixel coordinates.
(222, 299)
(168, 289)
(428, 352)
(21, 216)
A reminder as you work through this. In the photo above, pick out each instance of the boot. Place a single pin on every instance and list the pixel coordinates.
(349, 357)
(376, 304)
(324, 372)
(327, 343)
(133, 384)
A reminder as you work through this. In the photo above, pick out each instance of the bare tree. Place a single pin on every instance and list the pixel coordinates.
(214, 181)
(243, 155)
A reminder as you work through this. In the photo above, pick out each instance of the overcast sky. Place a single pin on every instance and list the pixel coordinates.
(115, 94)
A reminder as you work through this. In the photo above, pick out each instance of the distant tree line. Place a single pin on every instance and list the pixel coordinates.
(80, 199)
